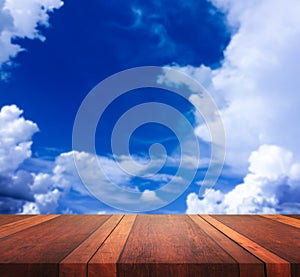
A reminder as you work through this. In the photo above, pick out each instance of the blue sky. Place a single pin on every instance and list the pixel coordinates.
(52, 54)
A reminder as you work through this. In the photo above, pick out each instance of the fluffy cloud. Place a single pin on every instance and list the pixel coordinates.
(270, 186)
(21, 19)
(149, 195)
(15, 146)
(258, 77)
(61, 191)
(256, 89)
(28, 192)
(15, 138)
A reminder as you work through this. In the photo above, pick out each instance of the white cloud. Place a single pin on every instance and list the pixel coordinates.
(48, 202)
(295, 172)
(21, 19)
(46, 194)
(163, 178)
(202, 74)
(101, 212)
(271, 162)
(150, 196)
(41, 183)
(62, 189)
(209, 204)
(15, 138)
(269, 187)
(22, 190)
(15, 146)
(259, 77)
(236, 9)
(30, 208)
(256, 89)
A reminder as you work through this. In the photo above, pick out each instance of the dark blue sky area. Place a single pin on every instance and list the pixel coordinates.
(90, 41)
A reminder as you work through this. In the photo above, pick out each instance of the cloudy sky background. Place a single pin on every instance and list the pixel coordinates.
(245, 53)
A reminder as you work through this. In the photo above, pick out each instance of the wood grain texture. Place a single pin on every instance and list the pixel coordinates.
(19, 225)
(172, 245)
(249, 265)
(297, 216)
(8, 218)
(104, 262)
(149, 245)
(284, 219)
(75, 264)
(281, 239)
(37, 251)
(275, 265)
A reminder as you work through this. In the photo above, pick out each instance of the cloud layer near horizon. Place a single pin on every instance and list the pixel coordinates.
(57, 190)
(271, 186)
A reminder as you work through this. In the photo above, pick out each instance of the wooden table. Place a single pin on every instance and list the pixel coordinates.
(149, 245)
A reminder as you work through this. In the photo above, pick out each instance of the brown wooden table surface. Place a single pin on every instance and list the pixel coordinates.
(150, 245)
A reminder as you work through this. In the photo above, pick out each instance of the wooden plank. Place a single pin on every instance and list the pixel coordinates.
(8, 218)
(297, 216)
(37, 251)
(172, 245)
(249, 266)
(149, 245)
(17, 226)
(75, 264)
(284, 219)
(281, 239)
(275, 265)
(104, 262)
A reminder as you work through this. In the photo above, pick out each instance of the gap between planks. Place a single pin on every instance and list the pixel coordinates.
(104, 261)
(249, 265)
(275, 265)
(76, 263)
